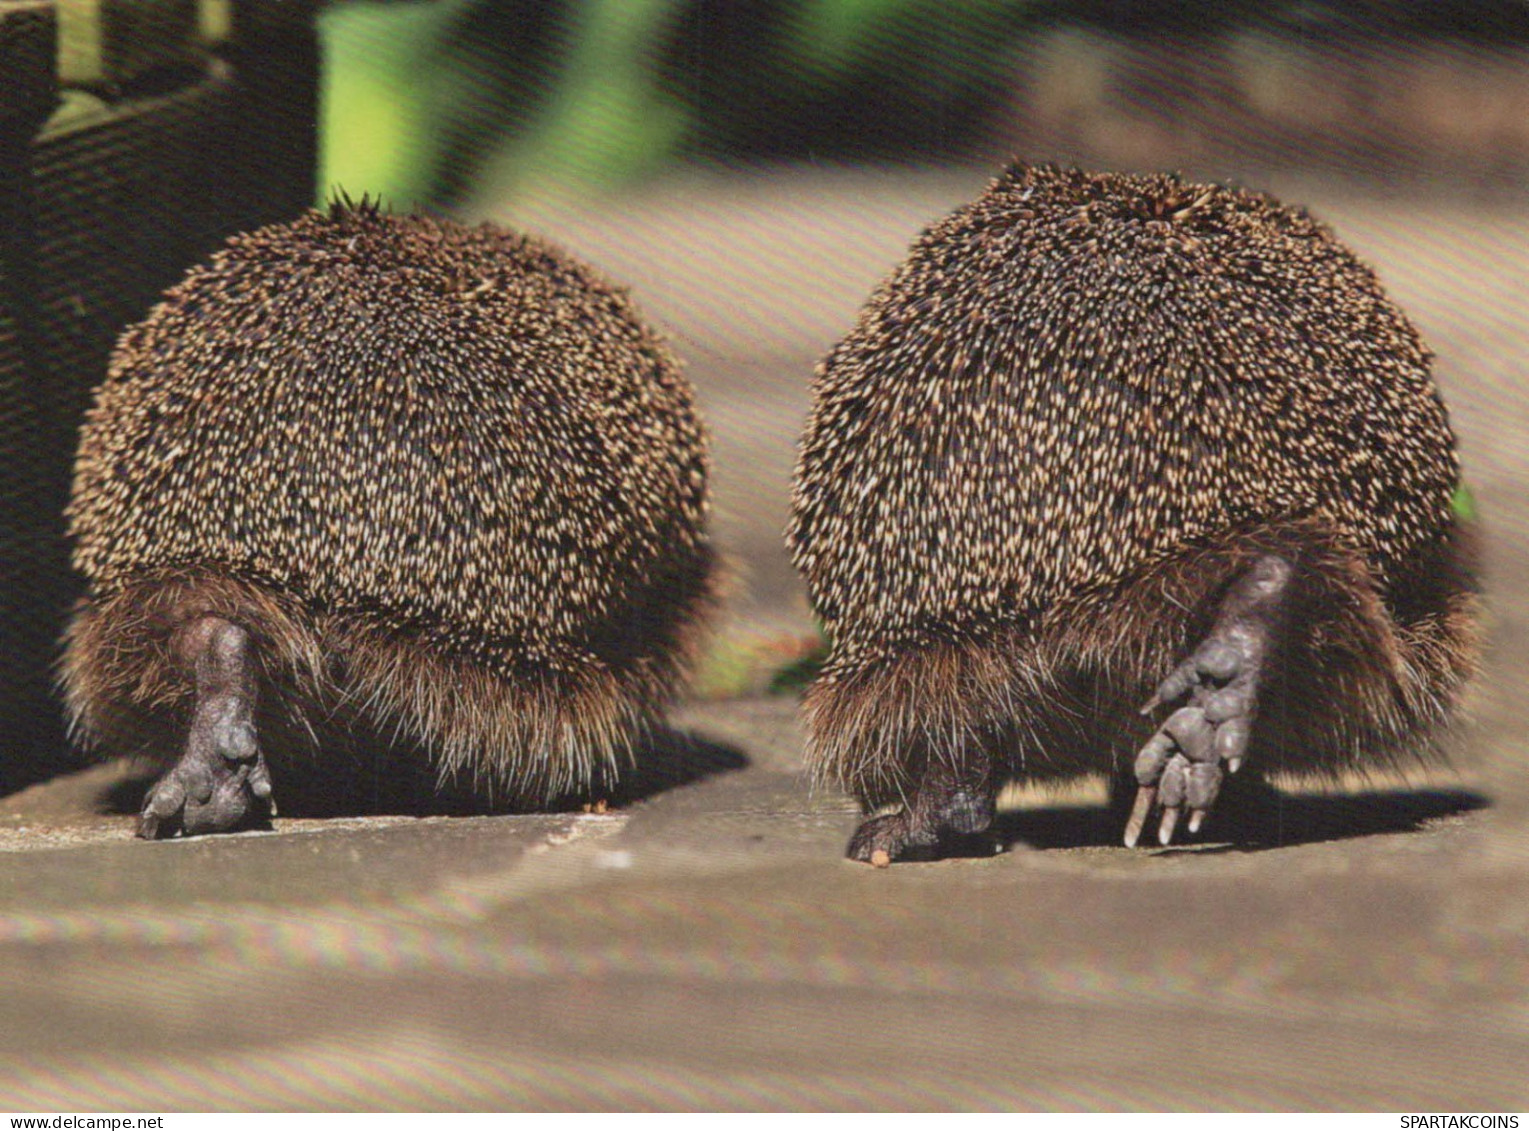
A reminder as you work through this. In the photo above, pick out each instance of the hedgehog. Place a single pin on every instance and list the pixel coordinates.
(1105, 440)
(372, 483)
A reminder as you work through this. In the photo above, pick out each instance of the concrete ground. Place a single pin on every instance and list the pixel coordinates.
(706, 946)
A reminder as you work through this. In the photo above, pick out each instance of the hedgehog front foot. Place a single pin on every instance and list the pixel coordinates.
(948, 801)
(221, 781)
(1180, 766)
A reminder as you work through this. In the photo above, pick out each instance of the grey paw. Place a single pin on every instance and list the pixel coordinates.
(211, 796)
(943, 815)
(883, 839)
(1180, 767)
(221, 781)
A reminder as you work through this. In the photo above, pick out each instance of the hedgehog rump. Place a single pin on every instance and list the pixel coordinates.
(1058, 432)
(446, 478)
(521, 731)
(1056, 697)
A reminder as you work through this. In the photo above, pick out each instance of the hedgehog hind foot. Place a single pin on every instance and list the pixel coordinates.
(1181, 764)
(950, 805)
(220, 782)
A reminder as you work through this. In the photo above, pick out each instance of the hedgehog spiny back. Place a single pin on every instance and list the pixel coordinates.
(1077, 374)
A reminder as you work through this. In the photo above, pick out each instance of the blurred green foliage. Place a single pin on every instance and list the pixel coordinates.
(442, 101)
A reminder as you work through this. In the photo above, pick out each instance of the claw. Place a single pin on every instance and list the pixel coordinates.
(260, 782)
(1145, 797)
(1169, 823)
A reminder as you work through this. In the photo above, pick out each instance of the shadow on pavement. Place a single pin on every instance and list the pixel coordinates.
(400, 782)
(1254, 818)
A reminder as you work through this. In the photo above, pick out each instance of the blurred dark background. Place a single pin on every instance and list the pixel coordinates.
(457, 101)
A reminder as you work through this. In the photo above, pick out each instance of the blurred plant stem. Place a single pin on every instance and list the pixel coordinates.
(375, 103)
(608, 120)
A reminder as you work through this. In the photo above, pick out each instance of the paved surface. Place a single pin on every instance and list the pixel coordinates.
(705, 946)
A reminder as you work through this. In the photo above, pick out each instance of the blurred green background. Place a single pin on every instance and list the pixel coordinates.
(446, 102)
